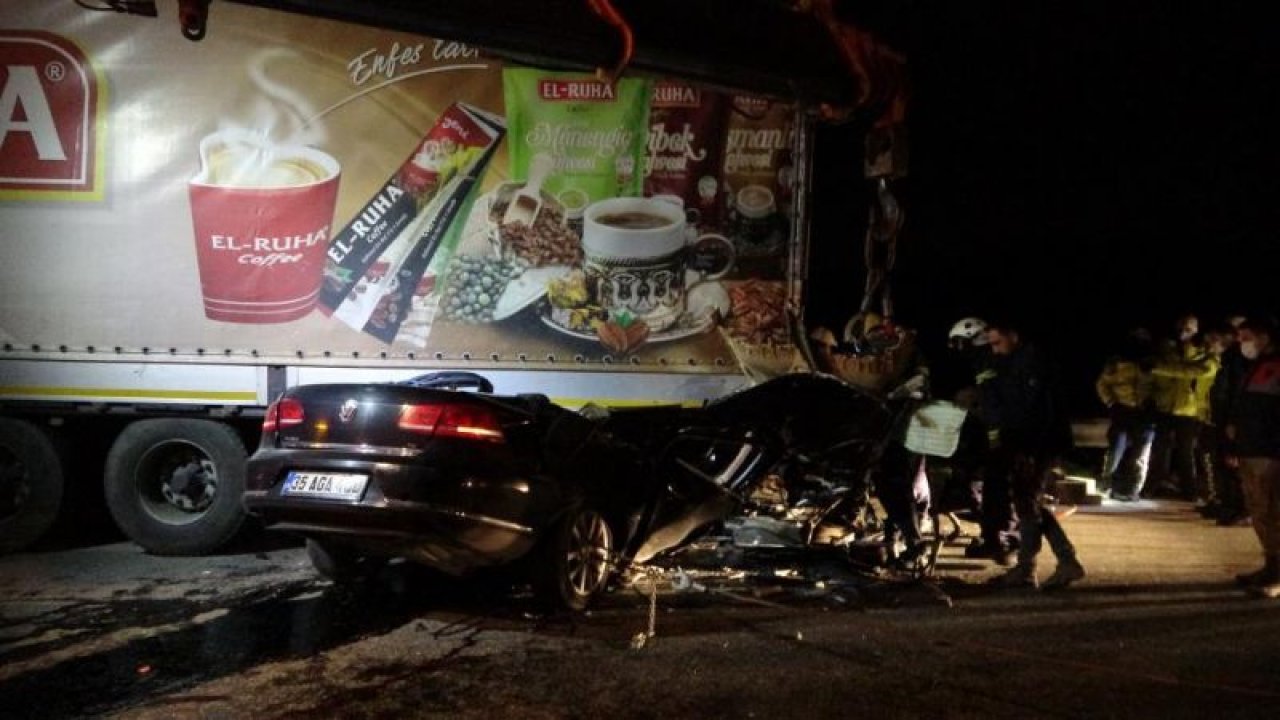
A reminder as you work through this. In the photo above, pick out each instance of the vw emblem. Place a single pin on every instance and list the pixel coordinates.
(348, 410)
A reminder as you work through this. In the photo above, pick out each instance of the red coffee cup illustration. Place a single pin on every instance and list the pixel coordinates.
(263, 216)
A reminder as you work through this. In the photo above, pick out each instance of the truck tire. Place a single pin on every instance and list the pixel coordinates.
(174, 486)
(30, 484)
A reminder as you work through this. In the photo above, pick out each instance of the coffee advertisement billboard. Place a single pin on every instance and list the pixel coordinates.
(302, 188)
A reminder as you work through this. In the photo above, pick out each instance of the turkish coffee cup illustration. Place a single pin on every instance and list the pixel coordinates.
(262, 215)
(754, 221)
(641, 258)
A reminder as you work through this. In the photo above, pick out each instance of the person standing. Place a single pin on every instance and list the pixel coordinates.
(1030, 433)
(1218, 339)
(1124, 387)
(1181, 366)
(967, 339)
(1226, 385)
(1254, 433)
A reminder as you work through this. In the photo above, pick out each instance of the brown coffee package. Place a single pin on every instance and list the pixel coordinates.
(758, 174)
(685, 148)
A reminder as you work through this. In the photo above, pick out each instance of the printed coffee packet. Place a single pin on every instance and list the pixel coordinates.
(460, 143)
(685, 143)
(594, 133)
(759, 174)
(439, 188)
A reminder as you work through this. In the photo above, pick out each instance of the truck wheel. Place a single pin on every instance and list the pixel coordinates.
(174, 486)
(30, 484)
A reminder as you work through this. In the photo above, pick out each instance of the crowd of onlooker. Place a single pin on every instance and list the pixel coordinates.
(1168, 401)
(1196, 416)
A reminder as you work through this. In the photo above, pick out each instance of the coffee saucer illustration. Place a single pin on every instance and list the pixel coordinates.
(570, 311)
(687, 326)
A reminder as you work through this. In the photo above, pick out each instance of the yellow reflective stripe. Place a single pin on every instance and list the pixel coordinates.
(614, 402)
(221, 395)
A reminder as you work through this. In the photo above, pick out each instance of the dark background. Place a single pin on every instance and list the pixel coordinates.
(1086, 168)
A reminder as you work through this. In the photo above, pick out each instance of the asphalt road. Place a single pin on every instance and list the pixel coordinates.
(1156, 630)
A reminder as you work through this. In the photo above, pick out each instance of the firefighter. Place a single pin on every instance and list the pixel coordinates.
(968, 340)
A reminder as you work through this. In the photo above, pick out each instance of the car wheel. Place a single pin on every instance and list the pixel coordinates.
(30, 484)
(175, 486)
(576, 561)
(340, 563)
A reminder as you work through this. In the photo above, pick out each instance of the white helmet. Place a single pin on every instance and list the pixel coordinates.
(969, 331)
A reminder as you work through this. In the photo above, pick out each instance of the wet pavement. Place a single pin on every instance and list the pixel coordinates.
(1156, 630)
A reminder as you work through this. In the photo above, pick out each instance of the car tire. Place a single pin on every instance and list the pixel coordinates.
(341, 564)
(575, 560)
(31, 484)
(174, 486)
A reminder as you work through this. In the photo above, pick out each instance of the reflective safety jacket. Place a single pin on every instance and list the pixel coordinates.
(1123, 383)
(1181, 379)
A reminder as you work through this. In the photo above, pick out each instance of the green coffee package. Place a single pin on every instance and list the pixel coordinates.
(594, 132)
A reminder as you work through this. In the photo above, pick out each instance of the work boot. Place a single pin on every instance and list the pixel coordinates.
(1234, 520)
(981, 548)
(1021, 575)
(1268, 574)
(1002, 557)
(1208, 509)
(1067, 572)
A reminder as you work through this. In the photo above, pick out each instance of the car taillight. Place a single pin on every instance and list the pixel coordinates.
(452, 420)
(285, 412)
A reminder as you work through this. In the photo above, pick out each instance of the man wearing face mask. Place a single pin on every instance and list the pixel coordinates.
(1254, 434)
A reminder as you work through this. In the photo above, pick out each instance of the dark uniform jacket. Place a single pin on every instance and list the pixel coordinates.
(1022, 402)
(1255, 414)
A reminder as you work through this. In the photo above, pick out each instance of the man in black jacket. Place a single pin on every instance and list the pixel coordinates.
(1253, 431)
(1029, 434)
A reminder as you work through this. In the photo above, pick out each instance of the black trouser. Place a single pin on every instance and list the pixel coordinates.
(1174, 453)
(973, 459)
(1026, 472)
(963, 490)
(1226, 481)
(894, 480)
(1207, 454)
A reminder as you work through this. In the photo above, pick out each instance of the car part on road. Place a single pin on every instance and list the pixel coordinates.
(30, 483)
(174, 485)
(342, 564)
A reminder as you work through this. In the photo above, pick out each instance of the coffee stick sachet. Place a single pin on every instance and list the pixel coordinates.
(387, 248)
(396, 214)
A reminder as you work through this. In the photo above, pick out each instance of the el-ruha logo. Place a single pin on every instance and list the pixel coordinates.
(50, 119)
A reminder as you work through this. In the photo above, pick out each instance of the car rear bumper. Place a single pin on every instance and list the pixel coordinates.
(452, 522)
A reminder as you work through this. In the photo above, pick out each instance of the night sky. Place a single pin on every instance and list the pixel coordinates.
(1086, 168)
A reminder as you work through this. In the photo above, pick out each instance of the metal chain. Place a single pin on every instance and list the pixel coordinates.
(640, 639)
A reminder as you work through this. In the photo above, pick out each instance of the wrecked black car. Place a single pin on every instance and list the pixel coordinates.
(441, 471)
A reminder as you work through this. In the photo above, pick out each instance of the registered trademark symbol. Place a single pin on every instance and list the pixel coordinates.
(55, 71)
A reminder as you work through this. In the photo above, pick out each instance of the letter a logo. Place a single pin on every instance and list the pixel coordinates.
(50, 119)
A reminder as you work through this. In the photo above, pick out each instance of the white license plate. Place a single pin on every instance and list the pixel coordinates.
(342, 486)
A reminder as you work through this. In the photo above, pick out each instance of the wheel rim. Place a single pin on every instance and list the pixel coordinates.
(177, 482)
(15, 484)
(590, 544)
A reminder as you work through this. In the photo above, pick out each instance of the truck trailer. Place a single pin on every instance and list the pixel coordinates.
(363, 192)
